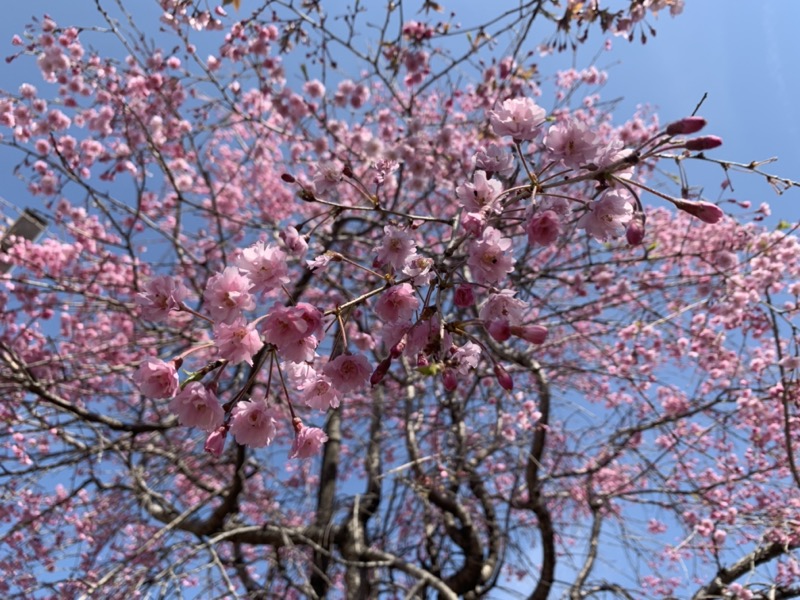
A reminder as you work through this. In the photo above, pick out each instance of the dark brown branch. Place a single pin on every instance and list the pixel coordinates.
(757, 557)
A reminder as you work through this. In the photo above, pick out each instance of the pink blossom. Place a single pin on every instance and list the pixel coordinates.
(419, 267)
(465, 358)
(495, 159)
(348, 372)
(156, 378)
(320, 393)
(253, 423)
(301, 350)
(327, 176)
(560, 206)
(503, 305)
(314, 88)
(287, 325)
(162, 295)
(489, 257)
(474, 223)
(396, 248)
(614, 153)
(265, 266)
(480, 194)
(227, 294)
(398, 303)
(571, 142)
(543, 228)
(307, 440)
(215, 442)
(323, 260)
(295, 243)
(519, 118)
(608, 217)
(197, 406)
(237, 342)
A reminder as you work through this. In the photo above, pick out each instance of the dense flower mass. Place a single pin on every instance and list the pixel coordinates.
(409, 323)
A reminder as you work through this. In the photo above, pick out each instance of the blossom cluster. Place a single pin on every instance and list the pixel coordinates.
(291, 333)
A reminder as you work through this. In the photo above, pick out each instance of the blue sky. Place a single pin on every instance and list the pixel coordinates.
(744, 54)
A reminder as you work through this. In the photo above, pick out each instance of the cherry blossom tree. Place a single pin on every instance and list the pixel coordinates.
(362, 301)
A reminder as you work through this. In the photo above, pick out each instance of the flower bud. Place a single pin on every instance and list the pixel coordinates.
(380, 371)
(215, 442)
(635, 232)
(686, 126)
(449, 380)
(705, 211)
(706, 142)
(464, 296)
(503, 378)
(288, 178)
(499, 329)
(399, 347)
(535, 334)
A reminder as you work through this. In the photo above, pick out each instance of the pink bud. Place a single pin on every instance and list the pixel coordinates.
(635, 231)
(464, 296)
(503, 378)
(499, 329)
(706, 142)
(535, 334)
(719, 536)
(705, 211)
(380, 371)
(449, 380)
(686, 126)
(215, 442)
(398, 348)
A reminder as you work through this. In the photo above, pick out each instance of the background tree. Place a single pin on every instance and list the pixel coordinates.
(330, 305)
